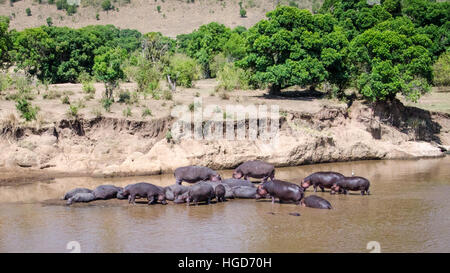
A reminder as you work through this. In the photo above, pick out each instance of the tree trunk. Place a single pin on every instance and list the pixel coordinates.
(172, 84)
(275, 90)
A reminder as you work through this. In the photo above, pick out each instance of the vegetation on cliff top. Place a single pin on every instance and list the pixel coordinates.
(381, 50)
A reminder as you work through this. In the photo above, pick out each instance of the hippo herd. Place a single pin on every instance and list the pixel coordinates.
(207, 185)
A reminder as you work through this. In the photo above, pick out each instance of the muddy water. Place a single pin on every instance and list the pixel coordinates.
(408, 211)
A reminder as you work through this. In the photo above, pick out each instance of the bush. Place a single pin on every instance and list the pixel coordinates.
(65, 100)
(27, 111)
(146, 112)
(124, 96)
(106, 103)
(217, 64)
(127, 112)
(441, 70)
(183, 70)
(73, 111)
(106, 5)
(158, 8)
(49, 21)
(88, 87)
(28, 11)
(232, 77)
(243, 12)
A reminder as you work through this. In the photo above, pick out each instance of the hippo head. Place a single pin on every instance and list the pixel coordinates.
(305, 184)
(335, 188)
(261, 190)
(162, 199)
(215, 178)
(237, 174)
(302, 202)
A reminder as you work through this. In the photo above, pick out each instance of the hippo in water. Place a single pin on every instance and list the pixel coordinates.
(283, 190)
(353, 183)
(173, 191)
(220, 193)
(232, 182)
(200, 192)
(314, 201)
(152, 192)
(228, 190)
(106, 192)
(321, 179)
(71, 193)
(255, 169)
(244, 192)
(81, 197)
(193, 174)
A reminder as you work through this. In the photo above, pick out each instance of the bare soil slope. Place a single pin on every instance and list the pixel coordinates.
(175, 16)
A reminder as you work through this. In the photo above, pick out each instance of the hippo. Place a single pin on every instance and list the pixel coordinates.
(314, 201)
(193, 174)
(283, 190)
(182, 198)
(81, 197)
(200, 192)
(232, 182)
(143, 189)
(106, 192)
(71, 193)
(173, 191)
(220, 193)
(353, 183)
(321, 179)
(228, 190)
(244, 192)
(255, 169)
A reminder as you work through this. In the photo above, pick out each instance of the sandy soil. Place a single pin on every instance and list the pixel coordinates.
(176, 16)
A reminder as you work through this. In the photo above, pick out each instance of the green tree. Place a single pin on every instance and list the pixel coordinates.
(108, 68)
(106, 5)
(28, 11)
(205, 43)
(441, 70)
(293, 47)
(5, 41)
(387, 61)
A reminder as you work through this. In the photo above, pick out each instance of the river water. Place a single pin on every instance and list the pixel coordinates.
(408, 211)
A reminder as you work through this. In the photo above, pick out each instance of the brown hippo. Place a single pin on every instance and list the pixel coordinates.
(255, 169)
(283, 190)
(321, 179)
(193, 174)
(200, 192)
(143, 189)
(353, 183)
(314, 201)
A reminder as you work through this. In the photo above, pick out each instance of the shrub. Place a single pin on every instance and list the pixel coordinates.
(49, 21)
(97, 16)
(124, 96)
(146, 112)
(232, 77)
(183, 70)
(73, 111)
(158, 8)
(65, 100)
(127, 112)
(217, 64)
(441, 70)
(167, 95)
(106, 5)
(88, 87)
(51, 94)
(27, 111)
(28, 11)
(169, 136)
(106, 103)
(243, 12)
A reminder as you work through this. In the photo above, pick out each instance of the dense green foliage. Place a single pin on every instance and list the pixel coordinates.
(380, 49)
(60, 54)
